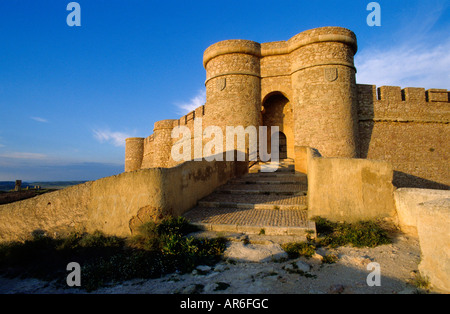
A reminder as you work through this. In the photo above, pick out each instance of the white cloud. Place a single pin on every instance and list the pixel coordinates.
(116, 138)
(406, 66)
(23, 155)
(39, 119)
(416, 54)
(198, 100)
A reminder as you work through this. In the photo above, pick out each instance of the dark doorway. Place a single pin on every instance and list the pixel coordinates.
(277, 111)
(282, 145)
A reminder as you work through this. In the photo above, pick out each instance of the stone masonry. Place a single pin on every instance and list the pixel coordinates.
(306, 86)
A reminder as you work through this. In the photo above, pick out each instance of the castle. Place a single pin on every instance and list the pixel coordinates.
(359, 153)
(306, 86)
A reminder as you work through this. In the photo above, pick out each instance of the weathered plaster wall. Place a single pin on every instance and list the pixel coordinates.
(408, 205)
(434, 238)
(117, 204)
(346, 189)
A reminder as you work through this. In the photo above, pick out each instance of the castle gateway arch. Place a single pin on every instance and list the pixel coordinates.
(277, 111)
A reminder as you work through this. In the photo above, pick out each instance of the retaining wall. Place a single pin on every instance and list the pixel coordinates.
(116, 205)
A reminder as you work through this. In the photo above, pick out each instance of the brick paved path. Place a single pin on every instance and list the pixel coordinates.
(274, 201)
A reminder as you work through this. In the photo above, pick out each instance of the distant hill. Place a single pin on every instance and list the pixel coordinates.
(9, 185)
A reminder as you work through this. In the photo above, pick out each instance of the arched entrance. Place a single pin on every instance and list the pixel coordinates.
(282, 145)
(277, 111)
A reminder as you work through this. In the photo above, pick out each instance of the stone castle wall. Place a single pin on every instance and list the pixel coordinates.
(410, 128)
(306, 86)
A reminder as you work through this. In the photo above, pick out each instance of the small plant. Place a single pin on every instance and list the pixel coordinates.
(297, 249)
(294, 269)
(359, 234)
(179, 226)
(309, 236)
(330, 259)
(158, 249)
(262, 231)
(421, 282)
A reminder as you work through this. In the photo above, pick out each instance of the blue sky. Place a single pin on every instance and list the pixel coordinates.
(69, 96)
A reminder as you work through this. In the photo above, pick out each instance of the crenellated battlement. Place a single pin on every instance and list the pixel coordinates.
(199, 112)
(435, 95)
(396, 93)
(392, 103)
(163, 124)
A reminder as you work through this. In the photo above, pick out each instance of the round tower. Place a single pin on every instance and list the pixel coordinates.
(233, 84)
(324, 91)
(134, 152)
(162, 143)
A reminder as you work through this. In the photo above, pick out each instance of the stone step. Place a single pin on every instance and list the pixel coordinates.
(268, 167)
(276, 180)
(252, 221)
(257, 229)
(269, 203)
(274, 175)
(258, 169)
(254, 201)
(279, 189)
(261, 239)
(269, 180)
(251, 205)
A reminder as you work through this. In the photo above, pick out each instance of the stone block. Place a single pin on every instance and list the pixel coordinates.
(408, 205)
(434, 238)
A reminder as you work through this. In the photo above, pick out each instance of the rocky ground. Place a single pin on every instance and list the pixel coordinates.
(263, 268)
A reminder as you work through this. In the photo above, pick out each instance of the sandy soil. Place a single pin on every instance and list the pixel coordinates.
(348, 275)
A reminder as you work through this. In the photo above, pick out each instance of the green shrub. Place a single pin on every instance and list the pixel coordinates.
(158, 249)
(179, 226)
(330, 259)
(147, 238)
(297, 249)
(359, 234)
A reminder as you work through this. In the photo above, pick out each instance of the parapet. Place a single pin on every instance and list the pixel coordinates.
(197, 113)
(323, 34)
(316, 35)
(397, 94)
(231, 46)
(392, 103)
(163, 124)
(435, 95)
(134, 150)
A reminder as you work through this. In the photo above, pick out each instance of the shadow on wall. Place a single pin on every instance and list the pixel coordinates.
(405, 180)
(366, 115)
(392, 128)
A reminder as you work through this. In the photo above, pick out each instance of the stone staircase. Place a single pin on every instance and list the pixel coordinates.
(259, 203)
